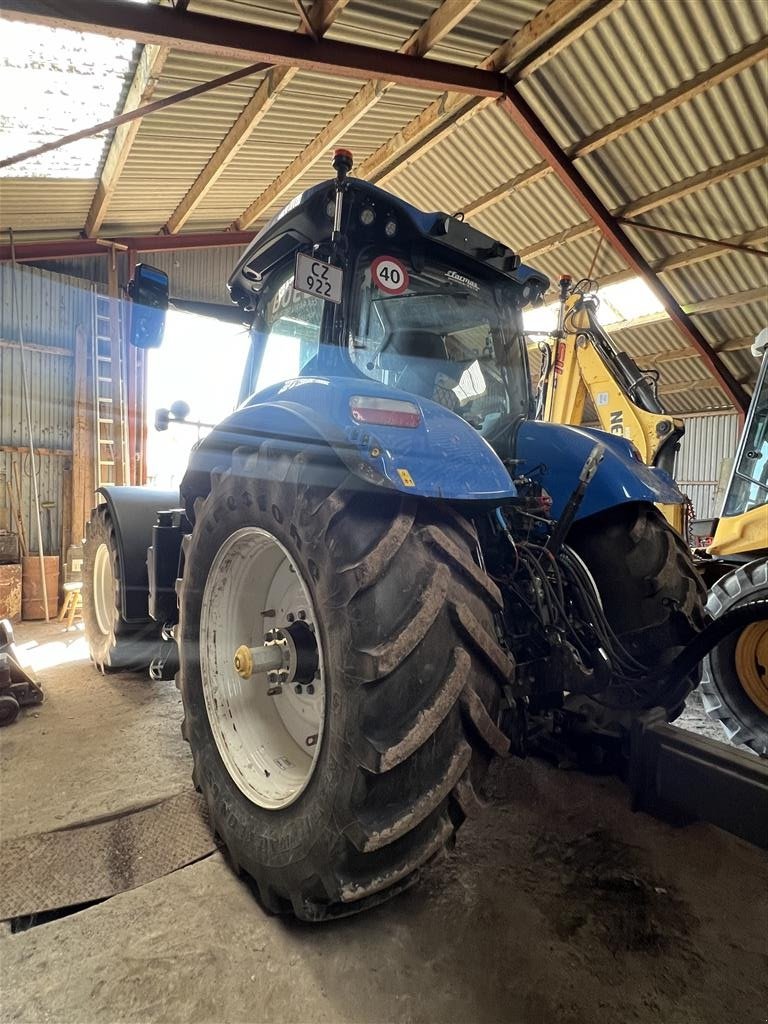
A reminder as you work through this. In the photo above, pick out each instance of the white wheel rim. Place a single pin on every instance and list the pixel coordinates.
(103, 589)
(269, 744)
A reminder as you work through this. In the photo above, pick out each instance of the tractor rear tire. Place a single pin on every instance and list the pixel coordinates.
(737, 667)
(411, 673)
(114, 644)
(651, 593)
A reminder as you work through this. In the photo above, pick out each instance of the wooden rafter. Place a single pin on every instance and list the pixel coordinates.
(680, 190)
(713, 305)
(558, 25)
(740, 165)
(542, 141)
(436, 27)
(680, 260)
(140, 92)
(676, 97)
(319, 19)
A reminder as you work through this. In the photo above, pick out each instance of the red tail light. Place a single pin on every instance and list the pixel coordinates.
(384, 412)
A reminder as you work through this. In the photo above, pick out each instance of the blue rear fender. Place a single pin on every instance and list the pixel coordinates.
(554, 454)
(443, 457)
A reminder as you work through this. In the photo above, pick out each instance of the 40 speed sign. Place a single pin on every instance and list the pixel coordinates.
(389, 275)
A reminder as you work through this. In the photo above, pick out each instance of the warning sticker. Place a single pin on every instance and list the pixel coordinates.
(406, 477)
(389, 275)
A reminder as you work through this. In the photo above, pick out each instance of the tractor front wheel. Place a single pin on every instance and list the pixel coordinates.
(114, 643)
(341, 679)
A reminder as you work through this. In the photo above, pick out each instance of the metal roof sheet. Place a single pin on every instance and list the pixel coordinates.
(640, 51)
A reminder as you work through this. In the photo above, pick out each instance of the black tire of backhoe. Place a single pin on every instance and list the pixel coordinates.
(413, 683)
(722, 694)
(129, 647)
(647, 581)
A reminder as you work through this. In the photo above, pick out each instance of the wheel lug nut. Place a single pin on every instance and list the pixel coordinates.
(290, 616)
(311, 740)
(298, 688)
(310, 689)
(302, 615)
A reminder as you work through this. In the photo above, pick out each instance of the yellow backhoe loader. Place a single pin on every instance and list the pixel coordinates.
(582, 362)
(734, 686)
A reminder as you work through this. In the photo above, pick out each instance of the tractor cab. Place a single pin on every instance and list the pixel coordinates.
(741, 530)
(350, 281)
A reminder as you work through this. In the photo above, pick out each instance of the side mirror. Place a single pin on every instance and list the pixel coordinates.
(149, 301)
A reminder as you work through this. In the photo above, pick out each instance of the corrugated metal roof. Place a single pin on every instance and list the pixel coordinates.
(640, 51)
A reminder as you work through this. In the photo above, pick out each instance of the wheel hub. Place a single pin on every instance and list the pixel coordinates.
(262, 668)
(752, 663)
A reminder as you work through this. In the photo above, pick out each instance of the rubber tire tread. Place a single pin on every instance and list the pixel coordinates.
(400, 759)
(722, 694)
(129, 647)
(652, 595)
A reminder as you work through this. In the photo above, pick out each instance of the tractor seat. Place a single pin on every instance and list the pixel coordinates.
(422, 358)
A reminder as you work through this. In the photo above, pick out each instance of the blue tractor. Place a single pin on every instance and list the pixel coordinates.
(381, 571)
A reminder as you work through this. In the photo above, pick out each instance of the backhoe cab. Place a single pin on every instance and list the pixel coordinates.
(381, 571)
(735, 682)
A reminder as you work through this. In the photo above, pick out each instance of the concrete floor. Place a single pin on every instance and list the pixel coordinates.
(559, 904)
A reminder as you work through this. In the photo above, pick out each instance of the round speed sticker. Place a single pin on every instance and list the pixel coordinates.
(389, 275)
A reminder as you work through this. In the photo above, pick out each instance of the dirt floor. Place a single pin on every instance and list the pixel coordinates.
(558, 904)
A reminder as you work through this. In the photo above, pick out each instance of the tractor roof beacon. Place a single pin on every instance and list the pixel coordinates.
(381, 572)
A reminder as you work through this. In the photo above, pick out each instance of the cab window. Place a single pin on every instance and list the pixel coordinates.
(285, 337)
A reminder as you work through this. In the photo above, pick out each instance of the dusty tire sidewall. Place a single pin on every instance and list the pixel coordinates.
(100, 645)
(288, 836)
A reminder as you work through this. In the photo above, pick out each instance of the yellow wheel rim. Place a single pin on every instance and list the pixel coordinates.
(752, 663)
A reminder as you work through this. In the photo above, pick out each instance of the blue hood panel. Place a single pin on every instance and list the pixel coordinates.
(444, 457)
(554, 454)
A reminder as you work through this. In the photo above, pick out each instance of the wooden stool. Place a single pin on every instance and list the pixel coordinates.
(73, 602)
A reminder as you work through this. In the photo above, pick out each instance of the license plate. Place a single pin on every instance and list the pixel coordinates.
(317, 278)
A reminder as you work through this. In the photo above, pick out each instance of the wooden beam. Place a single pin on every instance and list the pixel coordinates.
(229, 39)
(720, 302)
(634, 119)
(713, 305)
(537, 135)
(564, 20)
(141, 90)
(678, 190)
(83, 422)
(48, 350)
(320, 18)
(439, 24)
(507, 188)
(696, 183)
(702, 82)
(68, 248)
(734, 344)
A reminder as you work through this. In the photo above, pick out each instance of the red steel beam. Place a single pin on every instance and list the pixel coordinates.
(239, 40)
(74, 247)
(542, 141)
